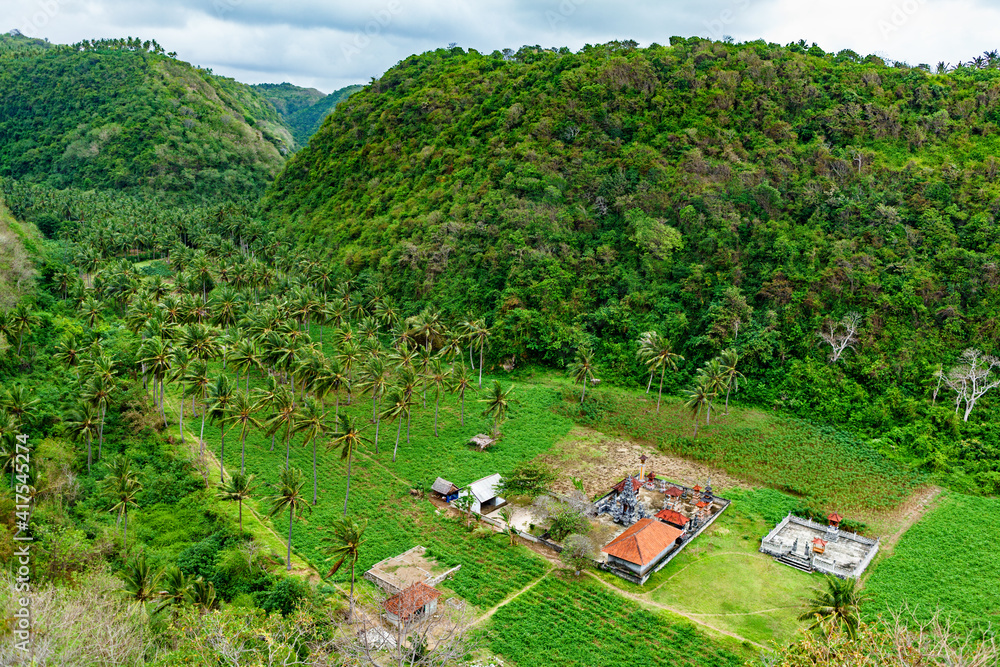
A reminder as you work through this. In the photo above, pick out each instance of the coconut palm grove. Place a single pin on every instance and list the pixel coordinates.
(289, 378)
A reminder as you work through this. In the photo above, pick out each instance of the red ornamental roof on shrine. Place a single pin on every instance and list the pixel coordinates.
(673, 516)
(636, 483)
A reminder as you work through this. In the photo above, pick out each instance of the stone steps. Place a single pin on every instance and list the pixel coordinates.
(797, 563)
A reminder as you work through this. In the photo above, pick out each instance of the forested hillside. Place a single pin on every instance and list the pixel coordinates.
(303, 109)
(740, 196)
(122, 114)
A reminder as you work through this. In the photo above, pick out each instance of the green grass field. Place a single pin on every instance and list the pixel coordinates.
(722, 579)
(947, 562)
(827, 468)
(579, 623)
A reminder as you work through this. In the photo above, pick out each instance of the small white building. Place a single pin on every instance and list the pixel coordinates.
(484, 494)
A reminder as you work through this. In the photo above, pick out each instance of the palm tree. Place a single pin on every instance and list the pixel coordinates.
(479, 336)
(98, 393)
(289, 496)
(141, 581)
(437, 376)
(8, 430)
(154, 353)
(497, 404)
(697, 398)
(837, 603)
(374, 380)
(198, 382)
(179, 363)
(728, 360)
(311, 420)
(123, 485)
(397, 406)
(408, 381)
(239, 488)
(22, 320)
(714, 379)
(508, 518)
(18, 403)
(220, 394)
(642, 354)
(582, 369)
(658, 353)
(83, 424)
(265, 398)
(90, 310)
(285, 415)
(347, 538)
(460, 383)
(240, 413)
(176, 588)
(348, 439)
(68, 352)
(203, 594)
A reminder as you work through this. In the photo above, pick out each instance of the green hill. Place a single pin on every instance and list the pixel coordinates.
(303, 109)
(121, 114)
(727, 195)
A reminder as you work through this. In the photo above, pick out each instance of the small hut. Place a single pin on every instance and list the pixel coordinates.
(481, 441)
(444, 489)
(417, 600)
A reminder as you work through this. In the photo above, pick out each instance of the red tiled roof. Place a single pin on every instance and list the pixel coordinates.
(411, 599)
(672, 516)
(820, 541)
(701, 503)
(673, 492)
(620, 486)
(643, 541)
(697, 488)
(835, 518)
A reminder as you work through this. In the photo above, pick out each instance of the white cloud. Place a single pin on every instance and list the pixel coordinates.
(332, 44)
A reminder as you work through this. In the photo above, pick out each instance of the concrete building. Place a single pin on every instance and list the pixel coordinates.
(484, 494)
(416, 601)
(643, 544)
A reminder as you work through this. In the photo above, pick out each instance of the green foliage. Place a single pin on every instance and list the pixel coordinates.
(945, 563)
(135, 120)
(303, 110)
(727, 195)
(285, 596)
(580, 623)
(527, 479)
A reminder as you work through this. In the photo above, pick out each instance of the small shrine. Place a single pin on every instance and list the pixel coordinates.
(623, 502)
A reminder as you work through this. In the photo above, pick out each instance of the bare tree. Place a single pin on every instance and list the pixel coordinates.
(971, 378)
(440, 637)
(841, 335)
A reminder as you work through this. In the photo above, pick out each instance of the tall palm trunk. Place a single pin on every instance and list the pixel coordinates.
(243, 451)
(350, 614)
(650, 383)
(291, 515)
(100, 432)
(463, 407)
(288, 439)
(181, 422)
(125, 532)
(241, 512)
(437, 404)
(378, 421)
(584, 392)
(89, 439)
(399, 429)
(314, 471)
(471, 362)
(162, 411)
(350, 455)
(659, 396)
(480, 366)
(729, 388)
(272, 441)
(222, 454)
(201, 436)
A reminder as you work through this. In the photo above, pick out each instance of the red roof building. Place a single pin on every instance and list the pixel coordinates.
(642, 545)
(673, 492)
(673, 517)
(834, 519)
(636, 484)
(413, 601)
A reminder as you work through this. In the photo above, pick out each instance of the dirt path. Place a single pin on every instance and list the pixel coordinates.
(909, 513)
(691, 617)
(299, 566)
(510, 598)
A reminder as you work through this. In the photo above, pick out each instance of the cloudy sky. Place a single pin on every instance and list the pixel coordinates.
(329, 44)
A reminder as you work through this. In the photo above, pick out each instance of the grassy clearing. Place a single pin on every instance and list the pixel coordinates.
(380, 489)
(946, 562)
(825, 467)
(579, 623)
(722, 579)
